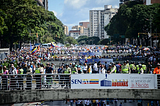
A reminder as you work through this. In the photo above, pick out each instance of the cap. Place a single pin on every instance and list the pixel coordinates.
(73, 63)
(158, 64)
(110, 64)
(140, 65)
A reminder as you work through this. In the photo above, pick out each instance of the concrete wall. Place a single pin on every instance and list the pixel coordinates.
(62, 94)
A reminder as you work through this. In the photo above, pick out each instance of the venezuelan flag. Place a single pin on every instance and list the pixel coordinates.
(52, 44)
(94, 81)
(34, 50)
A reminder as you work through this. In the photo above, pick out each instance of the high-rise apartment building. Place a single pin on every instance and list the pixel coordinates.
(85, 26)
(99, 19)
(78, 27)
(146, 2)
(65, 30)
(43, 3)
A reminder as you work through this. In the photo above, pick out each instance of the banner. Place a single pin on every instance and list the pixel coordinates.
(90, 53)
(82, 61)
(112, 81)
(142, 81)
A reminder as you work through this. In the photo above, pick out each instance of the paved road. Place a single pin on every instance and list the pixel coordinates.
(63, 103)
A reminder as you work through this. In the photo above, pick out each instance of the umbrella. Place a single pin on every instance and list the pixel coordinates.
(146, 48)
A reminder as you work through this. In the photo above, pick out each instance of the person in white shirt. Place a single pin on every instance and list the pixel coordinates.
(95, 67)
(86, 102)
(103, 70)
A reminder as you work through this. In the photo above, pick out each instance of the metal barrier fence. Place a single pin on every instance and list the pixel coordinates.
(34, 81)
(41, 81)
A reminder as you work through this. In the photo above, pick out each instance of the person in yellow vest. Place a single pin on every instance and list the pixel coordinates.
(127, 63)
(68, 70)
(132, 67)
(144, 67)
(113, 69)
(140, 71)
(137, 67)
(38, 77)
(125, 68)
(67, 77)
(74, 69)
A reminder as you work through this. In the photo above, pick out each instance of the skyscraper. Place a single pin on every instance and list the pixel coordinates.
(99, 19)
(43, 3)
(65, 30)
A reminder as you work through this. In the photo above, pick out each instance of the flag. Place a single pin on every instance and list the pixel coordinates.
(30, 47)
(34, 50)
(52, 44)
(149, 35)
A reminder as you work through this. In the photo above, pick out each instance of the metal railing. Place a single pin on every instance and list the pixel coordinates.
(34, 81)
(40, 81)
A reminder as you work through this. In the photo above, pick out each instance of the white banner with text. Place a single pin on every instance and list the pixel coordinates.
(112, 81)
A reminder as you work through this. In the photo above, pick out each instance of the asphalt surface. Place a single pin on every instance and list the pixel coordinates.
(63, 103)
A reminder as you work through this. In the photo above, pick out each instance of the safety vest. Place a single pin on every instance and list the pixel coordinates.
(127, 64)
(139, 71)
(37, 71)
(132, 66)
(21, 71)
(144, 67)
(115, 69)
(73, 70)
(137, 66)
(67, 70)
(1, 71)
(125, 68)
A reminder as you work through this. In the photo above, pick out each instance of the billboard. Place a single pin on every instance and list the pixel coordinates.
(90, 53)
(112, 81)
(82, 61)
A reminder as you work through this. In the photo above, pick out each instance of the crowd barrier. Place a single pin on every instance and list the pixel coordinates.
(79, 81)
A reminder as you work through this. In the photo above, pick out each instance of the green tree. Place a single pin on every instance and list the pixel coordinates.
(19, 18)
(71, 40)
(132, 18)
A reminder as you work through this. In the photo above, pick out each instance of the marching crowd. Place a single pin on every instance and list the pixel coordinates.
(21, 62)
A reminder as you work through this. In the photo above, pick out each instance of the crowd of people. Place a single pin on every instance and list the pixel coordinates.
(43, 62)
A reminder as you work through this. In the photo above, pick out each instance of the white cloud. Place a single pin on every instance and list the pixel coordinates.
(55, 13)
(98, 8)
(87, 20)
(75, 11)
(115, 6)
(75, 3)
(103, 1)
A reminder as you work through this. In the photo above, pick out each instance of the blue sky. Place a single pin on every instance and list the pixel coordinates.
(71, 12)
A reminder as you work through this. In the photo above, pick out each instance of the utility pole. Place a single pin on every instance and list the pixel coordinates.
(151, 31)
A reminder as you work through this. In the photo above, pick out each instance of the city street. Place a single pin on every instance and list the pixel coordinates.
(63, 103)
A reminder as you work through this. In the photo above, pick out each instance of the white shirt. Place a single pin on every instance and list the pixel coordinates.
(86, 102)
(103, 71)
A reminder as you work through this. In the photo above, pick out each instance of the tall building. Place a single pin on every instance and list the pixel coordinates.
(150, 1)
(146, 2)
(99, 19)
(74, 33)
(43, 3)
(84, 24)
(65, 30)
(78, 27)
